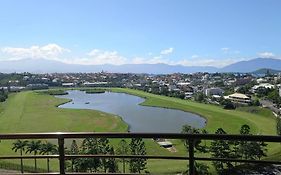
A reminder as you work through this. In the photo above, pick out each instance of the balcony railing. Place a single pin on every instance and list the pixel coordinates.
(61, 136)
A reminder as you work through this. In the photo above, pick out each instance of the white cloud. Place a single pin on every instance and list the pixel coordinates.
(97, 56)
(266, 55)
(206, 62)
(49, 51)
(154, 60)
(167, 51)
(225, 49)
(195, 56)
(195, 61)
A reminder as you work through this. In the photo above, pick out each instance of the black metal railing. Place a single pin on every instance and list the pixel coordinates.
(61, 136)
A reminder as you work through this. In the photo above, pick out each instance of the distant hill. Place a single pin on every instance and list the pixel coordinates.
(265, 71)
(253, 65)
(49, 66)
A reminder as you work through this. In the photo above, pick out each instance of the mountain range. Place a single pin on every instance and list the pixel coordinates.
(50, 66)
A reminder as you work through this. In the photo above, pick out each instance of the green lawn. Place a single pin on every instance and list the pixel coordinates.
(34, 112)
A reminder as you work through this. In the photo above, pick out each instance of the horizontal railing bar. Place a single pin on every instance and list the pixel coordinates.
(31, 157)
(32, 173)
(139, 156)
(143, 157)
(126, 156)
(238, 160)
(105, 173)
(171, 157)
(79, 173)
(68, 135)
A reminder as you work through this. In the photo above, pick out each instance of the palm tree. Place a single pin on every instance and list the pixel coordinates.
(20, 145)
(34, 146)
(48, 148)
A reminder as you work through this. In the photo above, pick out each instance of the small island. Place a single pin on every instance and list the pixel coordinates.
(94, 91)
(54, 92)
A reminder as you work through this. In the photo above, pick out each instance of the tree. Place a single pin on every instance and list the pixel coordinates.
(227, 104)
(245, 129)
(251, 149)
(3, 95)
(274, 97)
(220, 149)
(20, 145)
(34, 147)
(243, 89)
(103, 144)
(137, 147)
(187, 129)
(112, 164)
(199, 97)
(48, 148)
(201, 168)
(278, 125)
(123, 149)
(74, 150)
(89, 146)
(256, 102)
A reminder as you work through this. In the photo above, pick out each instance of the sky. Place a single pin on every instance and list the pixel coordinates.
(187, 32)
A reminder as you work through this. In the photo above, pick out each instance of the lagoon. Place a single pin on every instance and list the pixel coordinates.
(139, 118)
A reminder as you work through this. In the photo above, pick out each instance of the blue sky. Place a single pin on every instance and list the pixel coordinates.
(198, 32)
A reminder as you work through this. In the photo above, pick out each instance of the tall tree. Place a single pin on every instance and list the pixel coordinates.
(123, 149)
(278, 125)
(48, 148)
(20, 145)
(112, 164)
(104, 147)
(251, 149)
(34, 147)
(137, 147)
(74, 150)
(220, 149)
(187, 129)
(89, 146)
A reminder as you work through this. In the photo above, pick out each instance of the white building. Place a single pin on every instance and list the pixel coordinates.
(95, 84)
(262, 85)
(67, 84)
(213, 91)
(238, 98)
(16, 88)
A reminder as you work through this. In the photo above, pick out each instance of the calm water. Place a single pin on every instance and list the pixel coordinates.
(140, 118)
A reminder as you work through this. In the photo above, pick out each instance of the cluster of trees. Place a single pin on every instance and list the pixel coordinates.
(248, 150)
(34, 147)
(101, 146)
(271, 94)
(227, 104)
(3, 95)
(162, 90)
(263, 92)
(93, 146)
(199, 97)
(274, 97)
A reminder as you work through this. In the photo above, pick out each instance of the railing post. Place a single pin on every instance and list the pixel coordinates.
(191, 156)
(61, 154)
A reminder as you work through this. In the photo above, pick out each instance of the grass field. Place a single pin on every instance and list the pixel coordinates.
(34, 112)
